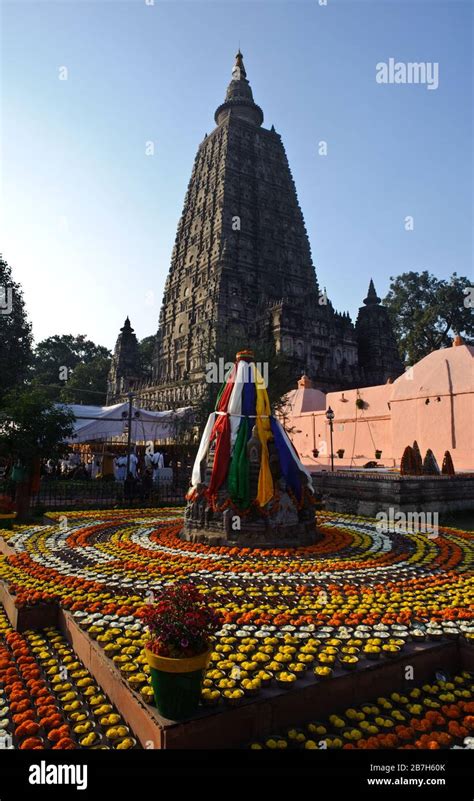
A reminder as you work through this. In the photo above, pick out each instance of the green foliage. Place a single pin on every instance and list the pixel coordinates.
(407, 463)
(31, 426)
(418, 461)
(88, 382)
(447, 468)
(56, 360)
(146, 348)
(427, 311)
(430, 465)
(15, 333)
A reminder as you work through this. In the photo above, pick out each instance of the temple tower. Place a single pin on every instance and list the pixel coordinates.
(241, 272)
(125, 364)
(379, 358)
(241, 265)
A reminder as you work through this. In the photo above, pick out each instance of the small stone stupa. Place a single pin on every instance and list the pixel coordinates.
(249, 487)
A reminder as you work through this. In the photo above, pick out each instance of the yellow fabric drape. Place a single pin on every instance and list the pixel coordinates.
(265, 480)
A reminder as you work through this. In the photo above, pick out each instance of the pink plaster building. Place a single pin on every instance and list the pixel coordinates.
(433, 402)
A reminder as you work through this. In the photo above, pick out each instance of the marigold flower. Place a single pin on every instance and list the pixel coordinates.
(31, 742)
(27, 729)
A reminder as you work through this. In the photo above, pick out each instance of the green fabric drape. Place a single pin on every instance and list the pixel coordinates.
(239, 476)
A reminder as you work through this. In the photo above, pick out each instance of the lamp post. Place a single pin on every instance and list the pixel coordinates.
(129, 436)
(330, 418)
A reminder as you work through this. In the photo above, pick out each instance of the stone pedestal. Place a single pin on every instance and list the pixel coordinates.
(283, 527)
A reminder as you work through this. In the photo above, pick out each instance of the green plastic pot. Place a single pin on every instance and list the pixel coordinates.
(177, 683)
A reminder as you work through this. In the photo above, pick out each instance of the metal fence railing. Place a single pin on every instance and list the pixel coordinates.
(99, 494)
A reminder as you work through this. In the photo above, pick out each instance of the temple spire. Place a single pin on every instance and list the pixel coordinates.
(238, 71)
(372, 298)
(125, 363)
(239, 100)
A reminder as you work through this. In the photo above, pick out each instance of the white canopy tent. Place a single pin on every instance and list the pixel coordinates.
(107, 422)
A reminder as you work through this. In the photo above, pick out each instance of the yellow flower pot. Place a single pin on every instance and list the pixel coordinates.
(168, 665)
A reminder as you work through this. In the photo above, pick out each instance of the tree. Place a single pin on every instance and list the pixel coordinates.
(418, 460)
(32, 428)
(447, 468)
(88, 382)
(430, 465)
(407, 462)
(146, 348)
(15, 332)
(427, 311)
(57, 358)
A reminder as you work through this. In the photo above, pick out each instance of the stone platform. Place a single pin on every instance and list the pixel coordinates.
(367, 493)
(36, 617)
(227, 727)
(258, 536)
(282, 524)
(253, 718)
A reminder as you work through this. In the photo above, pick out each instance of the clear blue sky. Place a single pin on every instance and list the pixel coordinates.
(89, 220)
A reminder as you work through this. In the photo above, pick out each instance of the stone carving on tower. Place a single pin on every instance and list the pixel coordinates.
(241, 267)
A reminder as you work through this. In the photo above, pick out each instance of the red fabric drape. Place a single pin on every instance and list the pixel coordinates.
(221, 432)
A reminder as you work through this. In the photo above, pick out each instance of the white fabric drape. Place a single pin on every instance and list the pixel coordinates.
(202, 452)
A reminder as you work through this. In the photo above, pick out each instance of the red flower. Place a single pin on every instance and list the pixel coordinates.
(181, 622)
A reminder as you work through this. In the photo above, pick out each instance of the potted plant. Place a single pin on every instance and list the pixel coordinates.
(360, 403)
(180, 624)
(340, 453)
(378, 454)
(7, 512)
(315, 453)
